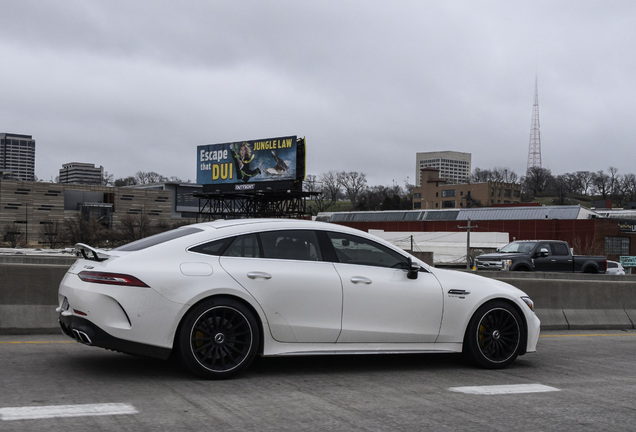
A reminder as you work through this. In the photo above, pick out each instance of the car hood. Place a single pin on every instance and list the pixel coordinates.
(497, 256)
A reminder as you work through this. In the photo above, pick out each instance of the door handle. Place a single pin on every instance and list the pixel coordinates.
(259, 275)
(360, 279)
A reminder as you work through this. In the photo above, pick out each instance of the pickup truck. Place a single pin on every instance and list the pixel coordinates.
(540, 255)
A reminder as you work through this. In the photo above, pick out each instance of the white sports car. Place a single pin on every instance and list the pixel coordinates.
(219, 293)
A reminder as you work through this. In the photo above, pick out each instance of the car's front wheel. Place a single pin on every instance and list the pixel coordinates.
(218, 338)
(494, 335)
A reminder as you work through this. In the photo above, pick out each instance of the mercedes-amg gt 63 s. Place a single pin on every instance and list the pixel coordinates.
(217, 294)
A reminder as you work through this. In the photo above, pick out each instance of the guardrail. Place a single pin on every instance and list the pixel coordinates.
(28, 296)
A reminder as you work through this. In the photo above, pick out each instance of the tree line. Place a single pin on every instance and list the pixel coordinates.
(604, 185)
(352, 186)
(538, 182)
(82, 229)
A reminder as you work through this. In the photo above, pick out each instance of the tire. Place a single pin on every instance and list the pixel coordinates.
(494, 335)
(218, 339)
(522, 268)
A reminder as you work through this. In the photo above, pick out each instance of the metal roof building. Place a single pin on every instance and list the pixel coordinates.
(588, 232)
(474, 214)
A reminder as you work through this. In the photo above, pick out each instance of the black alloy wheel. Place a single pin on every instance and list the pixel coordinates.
(218, 339)
(493, 338)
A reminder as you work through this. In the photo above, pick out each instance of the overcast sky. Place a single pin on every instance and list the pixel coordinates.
(138, 85)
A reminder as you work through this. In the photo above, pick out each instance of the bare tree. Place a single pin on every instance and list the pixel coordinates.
(537, 180)
(51, 232)
(602, 184)
(323, 200)
(480, 176)
(134, 227)
(628, 188)
(353, 184)
(561, 188)
(614, 182)
(330, 186)
(12, 234)
(127, 181)
(497, 174)
(107, 179)
(585, 179)
(149, 177)
(84, 230)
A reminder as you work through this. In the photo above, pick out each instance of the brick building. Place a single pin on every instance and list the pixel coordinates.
(436, 193)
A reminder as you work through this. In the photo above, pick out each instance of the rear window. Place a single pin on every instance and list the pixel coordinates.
(158, 239)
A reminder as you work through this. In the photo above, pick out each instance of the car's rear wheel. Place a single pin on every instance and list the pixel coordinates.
(494, 335)
(218, 338)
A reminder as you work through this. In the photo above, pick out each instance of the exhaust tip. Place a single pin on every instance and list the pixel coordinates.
(81, 337)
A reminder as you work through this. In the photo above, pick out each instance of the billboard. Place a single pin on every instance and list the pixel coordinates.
(249, 162)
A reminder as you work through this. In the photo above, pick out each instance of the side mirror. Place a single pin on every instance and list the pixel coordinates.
(414, 269)
(543, 252)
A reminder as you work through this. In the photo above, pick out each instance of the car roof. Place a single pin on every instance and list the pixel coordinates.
(231, 226)
(262, 222)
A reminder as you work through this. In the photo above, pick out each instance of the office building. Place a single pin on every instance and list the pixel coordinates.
(17, 156)
(81, 173)
(454, 167)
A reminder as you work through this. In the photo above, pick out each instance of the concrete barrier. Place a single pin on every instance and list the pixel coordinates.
(577, 301)
(28, 296)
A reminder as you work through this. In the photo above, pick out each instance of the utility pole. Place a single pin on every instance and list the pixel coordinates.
(468, 227)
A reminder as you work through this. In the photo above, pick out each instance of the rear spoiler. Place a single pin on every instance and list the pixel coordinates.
(90, 253)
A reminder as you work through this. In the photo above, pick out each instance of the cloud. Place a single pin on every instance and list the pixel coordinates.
(138, 85)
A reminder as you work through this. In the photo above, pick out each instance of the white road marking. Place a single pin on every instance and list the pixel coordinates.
(504, 389)
(53, 411)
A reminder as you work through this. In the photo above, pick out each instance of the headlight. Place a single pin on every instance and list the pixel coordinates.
(505, 264)
(529, 302)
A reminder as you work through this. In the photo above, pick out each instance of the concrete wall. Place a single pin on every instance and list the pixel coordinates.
(578, 301)
(28, 296)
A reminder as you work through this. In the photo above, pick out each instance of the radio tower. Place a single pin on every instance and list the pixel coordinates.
(534, 148)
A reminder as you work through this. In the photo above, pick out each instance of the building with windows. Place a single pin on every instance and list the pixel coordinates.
(436, 193)
(17, 156)
(37, 211)
(81, 173)
(454, 167)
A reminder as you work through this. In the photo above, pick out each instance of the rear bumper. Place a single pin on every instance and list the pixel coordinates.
(84, 331)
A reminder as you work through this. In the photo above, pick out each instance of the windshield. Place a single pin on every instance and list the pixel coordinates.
(518, 247)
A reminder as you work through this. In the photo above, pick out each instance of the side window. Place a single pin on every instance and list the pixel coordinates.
(291, 245)
(545, 246)
(560, 249)
(245, 246)
(212, 248)
(242, 246)
(357, 250)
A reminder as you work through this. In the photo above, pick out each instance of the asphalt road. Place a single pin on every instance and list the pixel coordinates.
(579, 381)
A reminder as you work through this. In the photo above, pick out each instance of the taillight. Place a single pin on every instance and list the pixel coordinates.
(110, 278)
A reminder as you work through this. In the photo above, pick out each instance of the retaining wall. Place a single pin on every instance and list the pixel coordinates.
(28, 296)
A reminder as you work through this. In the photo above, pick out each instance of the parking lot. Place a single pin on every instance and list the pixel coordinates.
(578, 380)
